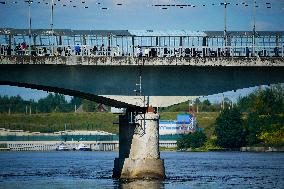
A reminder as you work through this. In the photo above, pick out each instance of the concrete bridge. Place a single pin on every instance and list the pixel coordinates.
(127, 82)
(109, 79)
(142, 81)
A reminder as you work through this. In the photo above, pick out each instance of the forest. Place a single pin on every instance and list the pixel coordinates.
(256, 120)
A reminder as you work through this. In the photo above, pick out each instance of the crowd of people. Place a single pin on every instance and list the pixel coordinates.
(139, 51)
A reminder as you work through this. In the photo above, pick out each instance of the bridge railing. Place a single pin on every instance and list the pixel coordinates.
(146, 51)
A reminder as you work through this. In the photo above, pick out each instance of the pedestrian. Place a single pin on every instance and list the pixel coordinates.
(247, 52)
(102, 49)
(23, 48)
(68, 51)
(95, 49)
(139, 51)
(77, 49)
(117, 51)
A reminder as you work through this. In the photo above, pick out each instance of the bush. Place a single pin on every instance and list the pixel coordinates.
(275, 137)
(192, 140)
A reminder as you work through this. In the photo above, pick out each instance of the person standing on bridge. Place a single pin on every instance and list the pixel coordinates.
(102, 50)
(95, 49)
(23, 48)
(139, 51)
(77, 49)
(247, 52)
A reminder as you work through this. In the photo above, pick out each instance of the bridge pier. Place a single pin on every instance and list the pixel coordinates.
(139, 156)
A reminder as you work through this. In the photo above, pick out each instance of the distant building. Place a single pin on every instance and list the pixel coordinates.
(80, 109)
(117, 110)
(185, 123)
(101, 108)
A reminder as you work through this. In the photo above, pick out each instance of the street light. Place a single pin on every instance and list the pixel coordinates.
(51, 18)
(254, 32)
(51, 25)
(30, 25)
(225, 23)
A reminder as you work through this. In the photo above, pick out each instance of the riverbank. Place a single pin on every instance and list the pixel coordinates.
(262, 149)
(53, 122)
(242, 149)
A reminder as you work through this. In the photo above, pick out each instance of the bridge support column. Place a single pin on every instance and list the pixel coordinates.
(139, 156)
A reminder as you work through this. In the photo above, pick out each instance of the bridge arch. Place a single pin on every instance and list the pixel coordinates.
(88, 96)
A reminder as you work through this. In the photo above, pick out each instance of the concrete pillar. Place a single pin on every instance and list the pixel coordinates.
(142, 184)
(139, 156)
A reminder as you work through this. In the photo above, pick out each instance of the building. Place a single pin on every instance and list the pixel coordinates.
(115, 110)
(101, 108)
(185, 123)
(19, 140)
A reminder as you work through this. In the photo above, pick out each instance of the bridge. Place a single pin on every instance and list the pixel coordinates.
(140, 70)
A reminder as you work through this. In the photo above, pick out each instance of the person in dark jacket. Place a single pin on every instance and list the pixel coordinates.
(77, 49)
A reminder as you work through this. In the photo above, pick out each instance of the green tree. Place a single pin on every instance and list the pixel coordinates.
(273, 136)
(205, 106)
(252, 126)
(89, 106)
(192, 140)
(53, 103)
(266, 101)
(259, 127)
(75, 101)
(229, 129)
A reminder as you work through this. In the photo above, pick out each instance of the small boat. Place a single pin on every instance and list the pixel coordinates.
(62, 147)
(83, 147)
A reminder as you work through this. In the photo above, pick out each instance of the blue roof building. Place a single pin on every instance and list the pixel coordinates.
(185, 123)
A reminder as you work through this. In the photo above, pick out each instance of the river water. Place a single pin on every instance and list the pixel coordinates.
(50, 170)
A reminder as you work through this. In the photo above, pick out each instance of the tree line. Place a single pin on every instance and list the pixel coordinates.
(256, 120)
(200, 106)
(51, 103)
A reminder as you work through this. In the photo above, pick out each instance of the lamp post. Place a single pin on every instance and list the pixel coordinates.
(253, 30)
(225, 24)
(51, 25)
(30, 25)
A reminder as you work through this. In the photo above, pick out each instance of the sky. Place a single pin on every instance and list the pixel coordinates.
(140, 14)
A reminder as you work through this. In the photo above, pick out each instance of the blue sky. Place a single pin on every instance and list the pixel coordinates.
(140, 14)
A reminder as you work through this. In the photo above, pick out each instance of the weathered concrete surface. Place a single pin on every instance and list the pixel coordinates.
(143, 169)
(145, 142)
(155, 101)
(139, 155)
(141, 184)
(162, 61)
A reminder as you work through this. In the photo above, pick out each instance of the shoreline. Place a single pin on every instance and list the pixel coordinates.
(242, 149)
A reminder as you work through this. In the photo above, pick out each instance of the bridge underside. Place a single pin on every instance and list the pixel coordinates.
(98, 82)
(139, 155)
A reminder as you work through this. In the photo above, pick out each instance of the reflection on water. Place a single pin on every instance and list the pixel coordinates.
(72, 170)
(141, 184)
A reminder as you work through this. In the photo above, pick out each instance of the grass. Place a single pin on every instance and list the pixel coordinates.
(162, 148)
(51, 122)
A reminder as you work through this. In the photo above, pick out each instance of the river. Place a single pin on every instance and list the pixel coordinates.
(54, 170)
